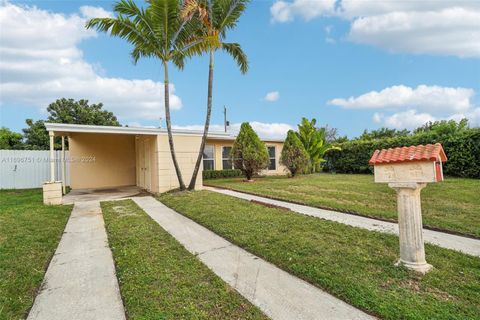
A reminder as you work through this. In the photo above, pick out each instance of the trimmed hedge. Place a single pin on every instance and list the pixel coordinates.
(462, 149)
(215, 174)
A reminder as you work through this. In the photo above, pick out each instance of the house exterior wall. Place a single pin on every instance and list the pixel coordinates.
(113, 164)
(219, 144)
(118, 161)
(186, 150)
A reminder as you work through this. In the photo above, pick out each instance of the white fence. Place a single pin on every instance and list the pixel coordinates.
(22, 169)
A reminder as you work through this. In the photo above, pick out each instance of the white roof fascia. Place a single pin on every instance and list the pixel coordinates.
(62, 127)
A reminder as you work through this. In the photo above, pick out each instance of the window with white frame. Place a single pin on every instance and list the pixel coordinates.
(272, 157)
(226, 159)
(209, 157)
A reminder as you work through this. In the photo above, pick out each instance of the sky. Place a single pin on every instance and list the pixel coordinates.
(352, 65)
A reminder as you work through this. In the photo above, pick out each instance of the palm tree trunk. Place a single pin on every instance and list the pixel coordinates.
(191, 186)
(169, 127)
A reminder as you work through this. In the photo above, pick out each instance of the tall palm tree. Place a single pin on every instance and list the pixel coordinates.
(216, 17)
(156, 31)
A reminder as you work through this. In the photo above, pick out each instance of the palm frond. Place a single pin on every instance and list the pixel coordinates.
(227, 13)
(236, 52)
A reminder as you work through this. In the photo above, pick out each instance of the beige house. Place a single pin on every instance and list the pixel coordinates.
(105, 156)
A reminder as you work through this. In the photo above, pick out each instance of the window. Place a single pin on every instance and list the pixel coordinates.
(226, 159)
(271, 155)
(208, 157)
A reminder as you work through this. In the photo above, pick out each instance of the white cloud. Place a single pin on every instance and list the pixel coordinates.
(422, 97)
(405, 107)
(409, 119)
(40, 61)
(419, 27)
(377, 117)
(272, 96)
(90, 12)
(283, 11)
(412, 119)
(264, 130)
(452, 31)
(328, 34)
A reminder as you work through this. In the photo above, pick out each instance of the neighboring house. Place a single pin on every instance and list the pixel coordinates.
(104, 156)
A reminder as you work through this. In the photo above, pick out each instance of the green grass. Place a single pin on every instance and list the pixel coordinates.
(355, 265)
(160, 279)
(29, 234)
(452, 205)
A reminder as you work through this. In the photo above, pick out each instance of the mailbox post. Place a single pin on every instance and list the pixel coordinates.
(408, 170)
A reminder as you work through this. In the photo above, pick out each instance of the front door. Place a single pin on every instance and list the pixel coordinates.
(146, 165)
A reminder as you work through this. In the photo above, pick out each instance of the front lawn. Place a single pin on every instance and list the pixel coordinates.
(452, 205)
(160, 279)
(355, 265)
(29, 234)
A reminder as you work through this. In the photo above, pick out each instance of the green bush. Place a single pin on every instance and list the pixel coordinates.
(462, 149)
(249, 153)
(294, 156)
(215, 174)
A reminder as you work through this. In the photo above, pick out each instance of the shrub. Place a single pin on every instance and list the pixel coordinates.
(462, 149)
(215, 174)
(294, 156)
(249, 153)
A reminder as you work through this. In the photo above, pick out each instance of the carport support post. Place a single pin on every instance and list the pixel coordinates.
(64, 187)
(412, 249)
(52, 157)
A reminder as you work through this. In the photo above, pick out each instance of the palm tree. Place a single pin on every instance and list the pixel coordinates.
(156, 32)
(217, 17)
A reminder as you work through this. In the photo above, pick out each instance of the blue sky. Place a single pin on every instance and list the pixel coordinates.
(349, 65)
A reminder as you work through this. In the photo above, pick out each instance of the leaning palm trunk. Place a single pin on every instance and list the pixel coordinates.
(207, 124)
(169, 128)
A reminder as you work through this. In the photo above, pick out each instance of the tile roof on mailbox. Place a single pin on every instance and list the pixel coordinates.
(429, 152)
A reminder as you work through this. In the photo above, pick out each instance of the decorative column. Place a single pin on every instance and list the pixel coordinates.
(412, 249)
(64, 187)
(52, 157)
(52, 190)
(408, 170)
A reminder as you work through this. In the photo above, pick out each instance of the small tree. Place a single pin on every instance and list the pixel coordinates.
(313, 139)
(249, 153)
(294, 156)
(10, 140)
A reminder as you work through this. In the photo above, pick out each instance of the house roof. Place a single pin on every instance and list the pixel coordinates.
(65, 129)
(429, 152)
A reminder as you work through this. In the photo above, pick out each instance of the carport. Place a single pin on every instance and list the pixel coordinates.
(107, 157)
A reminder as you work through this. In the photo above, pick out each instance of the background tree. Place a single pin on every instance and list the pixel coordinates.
(80, 112)
(443, 127)
(36, 136)
(156, 31)
(10, 140)
(314, 141)
(66, 111)
(216, 18)
(294, 156)
(249, 153)
(383, 133)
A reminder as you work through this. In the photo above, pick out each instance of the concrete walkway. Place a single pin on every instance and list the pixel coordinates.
(463, 244)
(277, 293)
(80, 282)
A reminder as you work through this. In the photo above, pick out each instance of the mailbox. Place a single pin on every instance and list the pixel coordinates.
(409, 164)
(408, 170)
